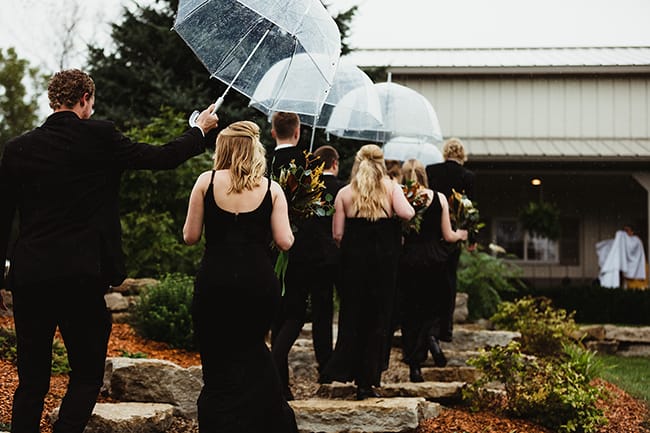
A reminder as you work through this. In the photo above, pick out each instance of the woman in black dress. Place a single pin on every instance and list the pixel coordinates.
(369, 238)
(422, 277)
(236, 292)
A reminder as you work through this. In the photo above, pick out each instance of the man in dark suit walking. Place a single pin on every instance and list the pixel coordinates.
(444, 177)
(321, 261)
(63, 179)
(285, 129)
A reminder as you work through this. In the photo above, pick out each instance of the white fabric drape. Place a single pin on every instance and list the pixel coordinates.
(623, 254)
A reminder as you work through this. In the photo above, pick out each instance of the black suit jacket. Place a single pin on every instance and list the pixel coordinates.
(63, 179)
(282, 157)
(448, 175)
(314, 244)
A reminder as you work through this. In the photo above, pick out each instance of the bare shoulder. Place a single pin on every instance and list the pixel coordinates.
(204, 178)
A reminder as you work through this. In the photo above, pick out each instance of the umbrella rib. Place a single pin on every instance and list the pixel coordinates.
(250, 56)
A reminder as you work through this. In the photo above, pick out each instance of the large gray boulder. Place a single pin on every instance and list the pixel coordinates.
(153, 380)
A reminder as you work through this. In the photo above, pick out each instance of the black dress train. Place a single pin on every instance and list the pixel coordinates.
(369, 254)
(235, 299)
(422, 283)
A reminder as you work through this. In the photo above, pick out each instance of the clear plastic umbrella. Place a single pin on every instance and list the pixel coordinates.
(272, 95)
(405, 113)
(238, 41)
(405, 148)
(269, 98)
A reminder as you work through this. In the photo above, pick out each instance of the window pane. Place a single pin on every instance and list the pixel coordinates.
(542, 249)
(510, 237)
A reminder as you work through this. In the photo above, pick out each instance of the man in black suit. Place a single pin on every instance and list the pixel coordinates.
(320, 262)
(285, 129)
(63, 180)
(444, 177)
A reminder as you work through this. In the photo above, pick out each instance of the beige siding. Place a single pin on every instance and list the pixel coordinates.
(538, 107)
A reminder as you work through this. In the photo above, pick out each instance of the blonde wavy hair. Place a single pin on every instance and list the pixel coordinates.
(239, 150)
(414, 170)
(369, 196)
(454, 149)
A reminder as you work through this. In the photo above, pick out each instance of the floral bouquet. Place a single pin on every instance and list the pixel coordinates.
(303, 187)
(417, 198)
(464, 214)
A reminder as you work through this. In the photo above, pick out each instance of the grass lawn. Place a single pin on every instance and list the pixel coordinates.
(630, 374)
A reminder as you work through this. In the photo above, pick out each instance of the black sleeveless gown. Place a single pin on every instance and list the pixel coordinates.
(236, 294)
(369, 258)
(422, 283)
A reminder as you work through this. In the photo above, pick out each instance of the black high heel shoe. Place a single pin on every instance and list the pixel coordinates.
(415, 374)
(366, 392)
(439, 358)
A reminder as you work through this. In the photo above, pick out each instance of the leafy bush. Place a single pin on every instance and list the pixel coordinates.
(135, 355)
(60, 363)
(544, 329)
(546, 374)
(484, 278)
(553, 392)
(153, 248)
(596, 304)
(153, 205)
(163, 312)
(8, 352)
(8, 344)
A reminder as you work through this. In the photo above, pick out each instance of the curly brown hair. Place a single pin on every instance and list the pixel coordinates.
(67, 87)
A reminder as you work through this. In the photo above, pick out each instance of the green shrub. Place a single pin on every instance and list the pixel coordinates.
(546, 374)
(134, 355)
(596, 304)
(8, 352)
(163, 312)
(60, 363)
(553, 392)
(8, 344)
(484, 278)
(544, 330)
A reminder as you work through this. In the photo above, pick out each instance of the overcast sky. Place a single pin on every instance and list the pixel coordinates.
(33, 27)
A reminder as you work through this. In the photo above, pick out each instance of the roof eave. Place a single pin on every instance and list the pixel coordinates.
(517, 70)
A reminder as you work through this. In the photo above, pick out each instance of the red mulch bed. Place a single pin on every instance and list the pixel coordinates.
(625, 414)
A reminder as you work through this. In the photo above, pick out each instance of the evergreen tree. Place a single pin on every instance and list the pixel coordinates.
(17, 110)
(150, 77)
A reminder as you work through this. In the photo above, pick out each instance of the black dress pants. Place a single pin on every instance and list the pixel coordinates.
(289, 322)
(77, 307)
(448, 298)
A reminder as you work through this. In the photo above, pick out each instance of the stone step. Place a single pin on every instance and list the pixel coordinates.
(427, 390)
(368, 416)
(314, 415)
(128, 417)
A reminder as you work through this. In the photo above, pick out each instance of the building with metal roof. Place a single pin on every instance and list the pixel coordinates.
(575, 119)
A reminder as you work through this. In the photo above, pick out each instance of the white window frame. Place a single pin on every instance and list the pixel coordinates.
(550, 255)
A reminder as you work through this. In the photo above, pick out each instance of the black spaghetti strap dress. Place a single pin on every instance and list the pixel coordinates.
(236, 294)
(369, 258)
(422, 283)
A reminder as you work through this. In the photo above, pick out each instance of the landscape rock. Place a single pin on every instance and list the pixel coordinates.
(365, 416)
(152, 380)
(127, 417)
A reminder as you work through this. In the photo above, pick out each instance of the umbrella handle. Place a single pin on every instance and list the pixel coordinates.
(195, 113)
